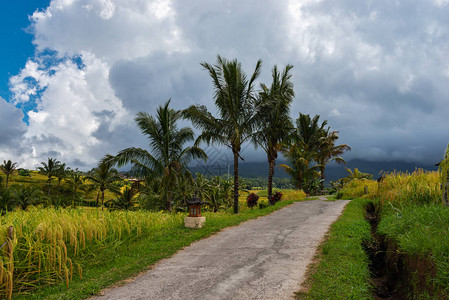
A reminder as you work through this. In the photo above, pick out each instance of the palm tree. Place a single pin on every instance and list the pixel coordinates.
(308, 132)
(356, 174)
(50, 169)
(103, 178)
(8, 169)
(234, 99)
(26, 196)
(273, 116)
(124, 200)
(62, 173)
(301, 168)
(328, 151)
(75, 181)
(166, 143)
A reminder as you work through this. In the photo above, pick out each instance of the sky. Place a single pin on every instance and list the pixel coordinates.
(74, 73)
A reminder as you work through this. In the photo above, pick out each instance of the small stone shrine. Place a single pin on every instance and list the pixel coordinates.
(194, 219)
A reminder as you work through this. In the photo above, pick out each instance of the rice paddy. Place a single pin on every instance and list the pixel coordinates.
(47, 243)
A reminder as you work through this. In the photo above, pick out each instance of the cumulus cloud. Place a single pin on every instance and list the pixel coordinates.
(378, 71)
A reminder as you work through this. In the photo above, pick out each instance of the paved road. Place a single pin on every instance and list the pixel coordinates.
(260, 259)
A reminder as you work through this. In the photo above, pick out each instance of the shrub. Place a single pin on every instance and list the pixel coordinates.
(251, 200)
(275, 198)
(24, 172)
(262, 205)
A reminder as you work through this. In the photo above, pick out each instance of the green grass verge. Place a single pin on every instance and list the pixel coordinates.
(129, 258)
(422, 231)
(342, 271)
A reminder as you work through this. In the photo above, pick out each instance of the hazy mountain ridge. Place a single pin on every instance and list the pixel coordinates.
(333, 172)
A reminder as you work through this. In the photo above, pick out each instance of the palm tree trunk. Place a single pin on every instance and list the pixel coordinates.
(49, 186)
(270, 178)
(236, 182)
(169, 207)
(7, 180)
(322, 177)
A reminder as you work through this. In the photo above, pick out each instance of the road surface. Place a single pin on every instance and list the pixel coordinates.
(264, 258)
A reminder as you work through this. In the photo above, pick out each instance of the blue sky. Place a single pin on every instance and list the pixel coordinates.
(16, 46)
(378, 71)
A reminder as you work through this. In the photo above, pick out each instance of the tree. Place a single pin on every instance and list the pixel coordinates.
(300, 167)
(62, 172)
(356, 174)
(328, 151)
(50, 169)
(308, 132)
(234, 98)
(103, 178)
(75, 181)
(168, 156)
(124, 200)
(273, 117)
(8, 169)
(26, 196)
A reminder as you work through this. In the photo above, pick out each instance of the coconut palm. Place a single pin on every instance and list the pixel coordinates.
(328, 151)
(50, 169)
(124, 200)
(62, 172)
(308, 132)
(356, 174)
(300, 167)
(273, 116)
(168, 156)
(75, 181)
(8, 169)
(104, 178)
(234, 98)
(26, 196)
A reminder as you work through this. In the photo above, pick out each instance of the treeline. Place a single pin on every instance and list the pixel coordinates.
(245, 115)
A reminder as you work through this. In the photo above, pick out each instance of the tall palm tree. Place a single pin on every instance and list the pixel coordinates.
(328, 151)
(168, 156)
(103, 178)
(8, 169)
(273, 117)
(308, 132)
(50, 169)
(234, 98)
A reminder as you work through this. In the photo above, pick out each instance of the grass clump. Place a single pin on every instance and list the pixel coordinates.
(421, 231)
(343, 271)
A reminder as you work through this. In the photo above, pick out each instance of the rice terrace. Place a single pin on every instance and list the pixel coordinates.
(137, 163)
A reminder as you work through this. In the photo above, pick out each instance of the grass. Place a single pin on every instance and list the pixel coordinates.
(421, 231)
(342, 271)
(110, 259)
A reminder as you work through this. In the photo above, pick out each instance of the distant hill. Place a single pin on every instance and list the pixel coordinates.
(333, 172)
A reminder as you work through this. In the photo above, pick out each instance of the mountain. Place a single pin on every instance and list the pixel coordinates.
(333, 172)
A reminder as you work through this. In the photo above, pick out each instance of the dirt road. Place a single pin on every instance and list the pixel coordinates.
(260, 259)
